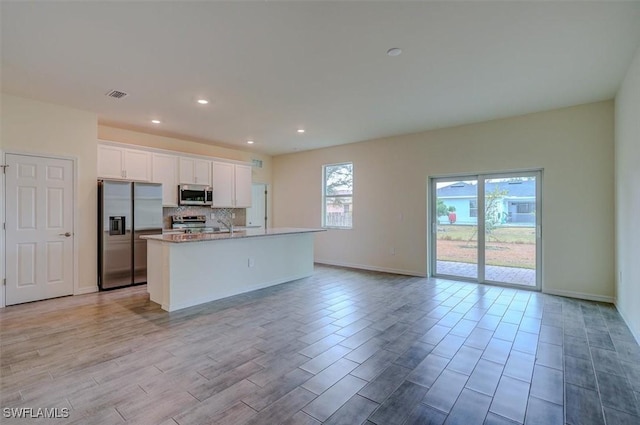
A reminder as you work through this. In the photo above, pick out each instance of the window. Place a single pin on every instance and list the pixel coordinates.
(337, 195)
(473, 208)
(526, 207)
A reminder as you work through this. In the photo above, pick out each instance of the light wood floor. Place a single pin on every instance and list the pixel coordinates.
(340, 347)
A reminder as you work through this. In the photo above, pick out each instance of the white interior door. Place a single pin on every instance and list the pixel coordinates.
(39, 228)
(257, 213)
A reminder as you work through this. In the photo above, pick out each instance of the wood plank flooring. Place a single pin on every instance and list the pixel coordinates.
(340, 347)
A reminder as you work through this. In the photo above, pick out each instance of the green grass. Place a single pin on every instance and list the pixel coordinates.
(507, 234)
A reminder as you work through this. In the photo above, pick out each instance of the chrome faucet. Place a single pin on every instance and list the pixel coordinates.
(225, 217)
(228, 223)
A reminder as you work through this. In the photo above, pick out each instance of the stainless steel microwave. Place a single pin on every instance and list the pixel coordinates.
(195, 194)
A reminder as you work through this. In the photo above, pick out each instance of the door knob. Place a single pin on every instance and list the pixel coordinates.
(66, 235)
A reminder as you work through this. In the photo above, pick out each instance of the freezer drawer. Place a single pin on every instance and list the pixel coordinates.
(140, 255)
(116, 261)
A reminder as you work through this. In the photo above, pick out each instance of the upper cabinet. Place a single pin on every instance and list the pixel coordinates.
(243, 185)
(223, 195)
(137, 165)
(110, 162)
(231, 185)
(231, 180)
(195, 171)
(121, 163)
(165, 171)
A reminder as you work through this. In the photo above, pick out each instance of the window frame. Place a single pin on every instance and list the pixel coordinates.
(473, 214)
(481, 180)
(325, 196)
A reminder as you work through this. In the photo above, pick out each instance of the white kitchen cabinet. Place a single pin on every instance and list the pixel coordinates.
(243, 186)
(223, 194)
(137, 165)
(195, 171)
(110, 162)
(120, 163)
(165, 171)
(231, 185)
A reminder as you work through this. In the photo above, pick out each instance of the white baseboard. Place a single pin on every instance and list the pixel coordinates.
(579, 295)
(79, 291)
(87, 290)
(368, 267)
(636, 334)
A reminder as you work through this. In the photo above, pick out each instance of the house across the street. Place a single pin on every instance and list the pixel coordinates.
(506, 202)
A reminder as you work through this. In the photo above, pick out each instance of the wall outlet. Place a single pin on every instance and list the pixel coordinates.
(392, 251)
(213, 216)
(251, 262)
(233, 215)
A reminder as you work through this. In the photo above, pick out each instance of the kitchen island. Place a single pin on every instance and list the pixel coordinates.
(185, 270)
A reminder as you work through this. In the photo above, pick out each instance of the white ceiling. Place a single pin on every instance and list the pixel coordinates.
(269, 68)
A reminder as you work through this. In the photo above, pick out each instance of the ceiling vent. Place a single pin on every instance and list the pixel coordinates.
(117, 94)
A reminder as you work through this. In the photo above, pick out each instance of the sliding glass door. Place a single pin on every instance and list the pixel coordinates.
(456, 239)
(486, 228)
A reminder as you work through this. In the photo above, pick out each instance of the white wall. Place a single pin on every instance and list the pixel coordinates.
(29, 126)
(574, 146)
(627, 158)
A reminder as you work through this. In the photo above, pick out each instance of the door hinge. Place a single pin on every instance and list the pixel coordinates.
(4, 282)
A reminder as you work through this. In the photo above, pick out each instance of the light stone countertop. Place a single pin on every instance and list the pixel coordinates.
(237, 234)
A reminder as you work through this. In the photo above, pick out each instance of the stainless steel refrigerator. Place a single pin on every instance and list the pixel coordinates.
(126, 211)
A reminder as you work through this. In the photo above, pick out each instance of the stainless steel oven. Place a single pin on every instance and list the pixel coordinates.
(194, 194)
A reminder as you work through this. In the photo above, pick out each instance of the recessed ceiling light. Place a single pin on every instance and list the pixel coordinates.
(203, 101)
(155, 121)
(250, 142)
(394, 51)
(301, 130)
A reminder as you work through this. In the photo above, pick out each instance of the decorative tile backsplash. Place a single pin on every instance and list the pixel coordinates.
(167, 212)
